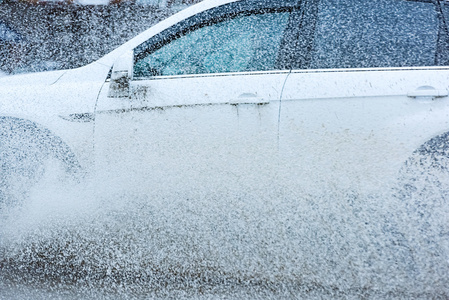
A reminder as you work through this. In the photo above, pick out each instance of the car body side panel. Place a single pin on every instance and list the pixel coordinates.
(360, 125)
(190, 133)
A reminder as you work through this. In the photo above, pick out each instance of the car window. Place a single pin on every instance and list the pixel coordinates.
(381, 33)
(244, 43)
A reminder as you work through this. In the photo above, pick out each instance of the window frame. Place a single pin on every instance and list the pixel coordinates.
(214, 16)
(298, 35)
(443, 41)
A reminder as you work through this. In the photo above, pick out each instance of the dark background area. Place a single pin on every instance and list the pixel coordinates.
(60, 36)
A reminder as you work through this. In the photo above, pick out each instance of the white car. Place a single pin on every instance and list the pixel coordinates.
(248, 95)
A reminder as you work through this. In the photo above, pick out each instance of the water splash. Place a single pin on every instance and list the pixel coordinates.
(276, 241)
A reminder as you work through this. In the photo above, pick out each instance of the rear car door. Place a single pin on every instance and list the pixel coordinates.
(369, 85)
(204, 102)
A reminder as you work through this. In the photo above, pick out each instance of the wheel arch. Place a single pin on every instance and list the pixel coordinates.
(434, 151)
(43, 138)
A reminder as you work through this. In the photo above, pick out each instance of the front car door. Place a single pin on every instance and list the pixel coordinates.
(369, 85)
(203, 105)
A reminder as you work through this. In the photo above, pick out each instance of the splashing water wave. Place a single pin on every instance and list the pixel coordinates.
(267, 240)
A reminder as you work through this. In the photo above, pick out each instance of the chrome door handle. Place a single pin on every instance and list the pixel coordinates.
(249, 98)
(427, 92)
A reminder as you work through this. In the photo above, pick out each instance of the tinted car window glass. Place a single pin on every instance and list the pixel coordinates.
(245, 43)
(381, 33)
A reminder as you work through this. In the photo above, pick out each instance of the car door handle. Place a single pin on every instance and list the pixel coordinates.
(249, 98)
(427, 92)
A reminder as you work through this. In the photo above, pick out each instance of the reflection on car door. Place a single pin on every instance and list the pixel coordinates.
(373, 88)
(203, 108)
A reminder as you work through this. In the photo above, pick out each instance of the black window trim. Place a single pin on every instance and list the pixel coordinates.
(442, 53)
(298, 36)
(213, 16)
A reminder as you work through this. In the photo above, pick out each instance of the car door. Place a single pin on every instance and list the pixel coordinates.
(203, 105)
(369, 86)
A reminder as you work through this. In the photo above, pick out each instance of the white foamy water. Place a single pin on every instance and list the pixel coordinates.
(271, 241)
